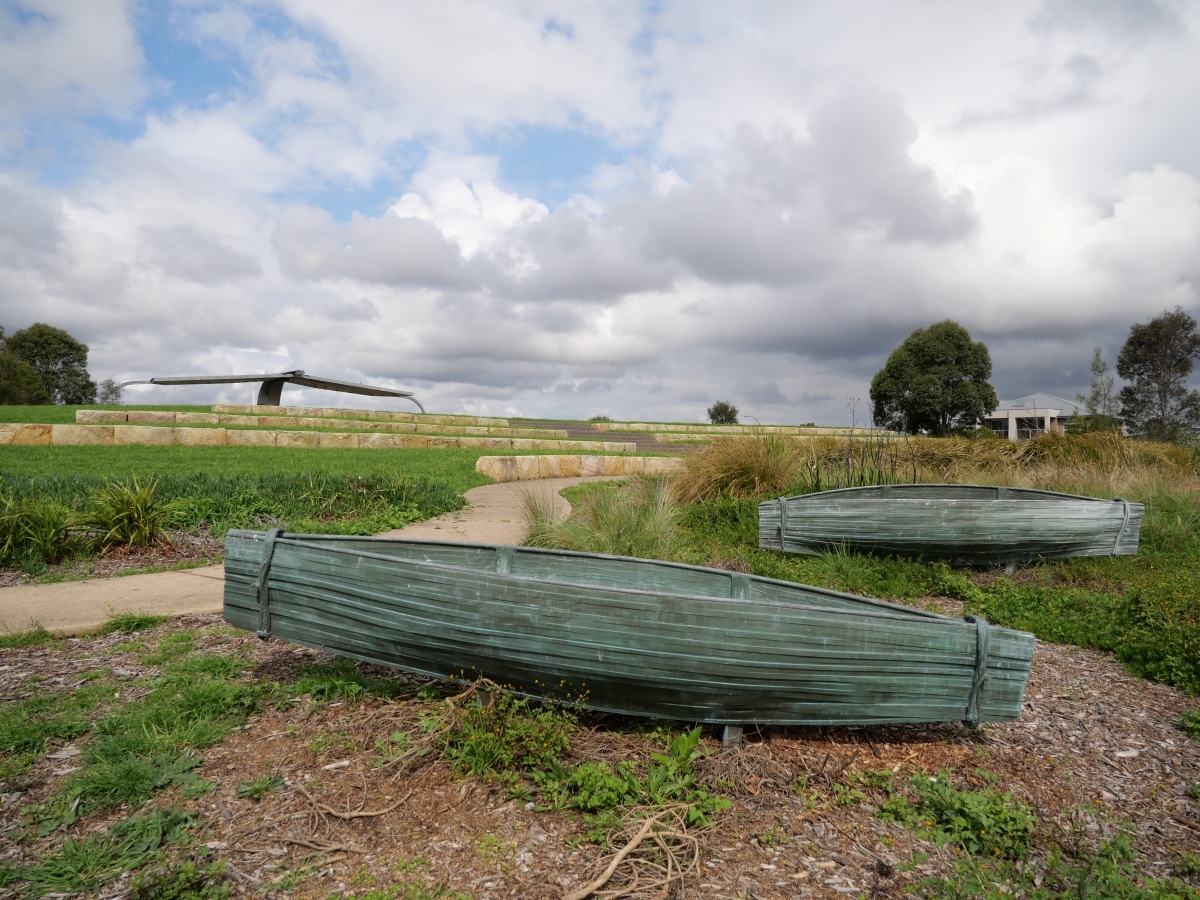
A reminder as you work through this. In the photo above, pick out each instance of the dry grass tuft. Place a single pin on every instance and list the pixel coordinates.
(740, 467)
(637, 518)
(1097, 464)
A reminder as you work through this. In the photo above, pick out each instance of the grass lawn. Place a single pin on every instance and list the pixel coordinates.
(455, 467)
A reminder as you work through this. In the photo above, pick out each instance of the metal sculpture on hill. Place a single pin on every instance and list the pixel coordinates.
(272, 385)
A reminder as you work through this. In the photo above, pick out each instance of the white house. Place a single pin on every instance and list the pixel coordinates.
(1019, 420)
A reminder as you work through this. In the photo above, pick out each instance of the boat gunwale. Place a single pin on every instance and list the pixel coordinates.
(898, 611)
(939, 484)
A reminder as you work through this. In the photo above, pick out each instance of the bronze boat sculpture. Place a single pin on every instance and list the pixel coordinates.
(965, 524)
(631, 636)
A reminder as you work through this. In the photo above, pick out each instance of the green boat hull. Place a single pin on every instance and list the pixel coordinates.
(965, 524)
(629, 636)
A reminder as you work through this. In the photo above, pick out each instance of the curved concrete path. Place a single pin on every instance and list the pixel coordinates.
(492, 516)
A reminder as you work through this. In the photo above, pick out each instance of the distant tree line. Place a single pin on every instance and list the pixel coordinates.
(936, 382)
(42, 364)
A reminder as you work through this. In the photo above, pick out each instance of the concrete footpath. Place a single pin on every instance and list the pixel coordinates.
(493, 516)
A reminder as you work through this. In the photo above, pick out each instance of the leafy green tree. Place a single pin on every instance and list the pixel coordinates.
(1156, 360)
(19, 384)
(1101, 402)
(934, 382)
(59, 360)
(722, 413)
(111, 393)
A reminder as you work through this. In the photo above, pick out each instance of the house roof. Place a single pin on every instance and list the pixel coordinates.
(1038, 401)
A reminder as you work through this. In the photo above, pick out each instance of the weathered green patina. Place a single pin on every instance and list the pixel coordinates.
(965, 524)
(631, 636)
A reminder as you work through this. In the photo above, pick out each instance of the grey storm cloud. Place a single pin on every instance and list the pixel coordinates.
(775, 215)
(30, 224)
(1119, 19)
(184, 251)
(386, 250)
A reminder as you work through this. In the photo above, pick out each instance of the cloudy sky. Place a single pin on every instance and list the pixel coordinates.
(561, 209)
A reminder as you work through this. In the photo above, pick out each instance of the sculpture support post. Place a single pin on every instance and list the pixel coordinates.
(271, 392)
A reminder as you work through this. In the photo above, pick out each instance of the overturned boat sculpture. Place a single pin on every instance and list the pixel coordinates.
(631, 636)
(966, 524)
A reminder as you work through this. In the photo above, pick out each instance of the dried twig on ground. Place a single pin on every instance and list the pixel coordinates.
(319, 845)
(357, 814)
(659, 855)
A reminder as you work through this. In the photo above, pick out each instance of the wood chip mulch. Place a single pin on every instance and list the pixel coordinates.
(1093, 745)
(181, 547)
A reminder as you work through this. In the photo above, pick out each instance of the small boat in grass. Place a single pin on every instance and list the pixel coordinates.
(964, 524)
(630, 636)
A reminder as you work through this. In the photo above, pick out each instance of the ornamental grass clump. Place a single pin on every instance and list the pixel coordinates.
(34, 531)
(637, 518)
(757, 465)
(125, 514)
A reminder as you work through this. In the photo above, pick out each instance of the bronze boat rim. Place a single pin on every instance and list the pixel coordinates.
(876, 607)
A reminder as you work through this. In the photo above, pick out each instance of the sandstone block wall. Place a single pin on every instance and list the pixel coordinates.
(531, 468)
(328, 412)
(278, 422)
(155, 435)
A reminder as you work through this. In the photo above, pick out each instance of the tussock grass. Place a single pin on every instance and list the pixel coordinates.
(636, 518)
(1096, 464)
(131, 622)
(738, 467)
(32, 636)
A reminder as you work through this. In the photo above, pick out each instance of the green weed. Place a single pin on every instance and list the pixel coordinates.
(510, 736)
(774, 837)
(1106, 872)
(130, 622)
(148, 745)
(30, 637)
(181, 879)
(1189, 723)
(260, 787)
(341, 679)
(598, 790)
(85, 865)
(27, 726)
(978, 822)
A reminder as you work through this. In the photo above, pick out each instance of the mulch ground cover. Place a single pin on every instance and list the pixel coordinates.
(180, 549)
(1093, 745)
